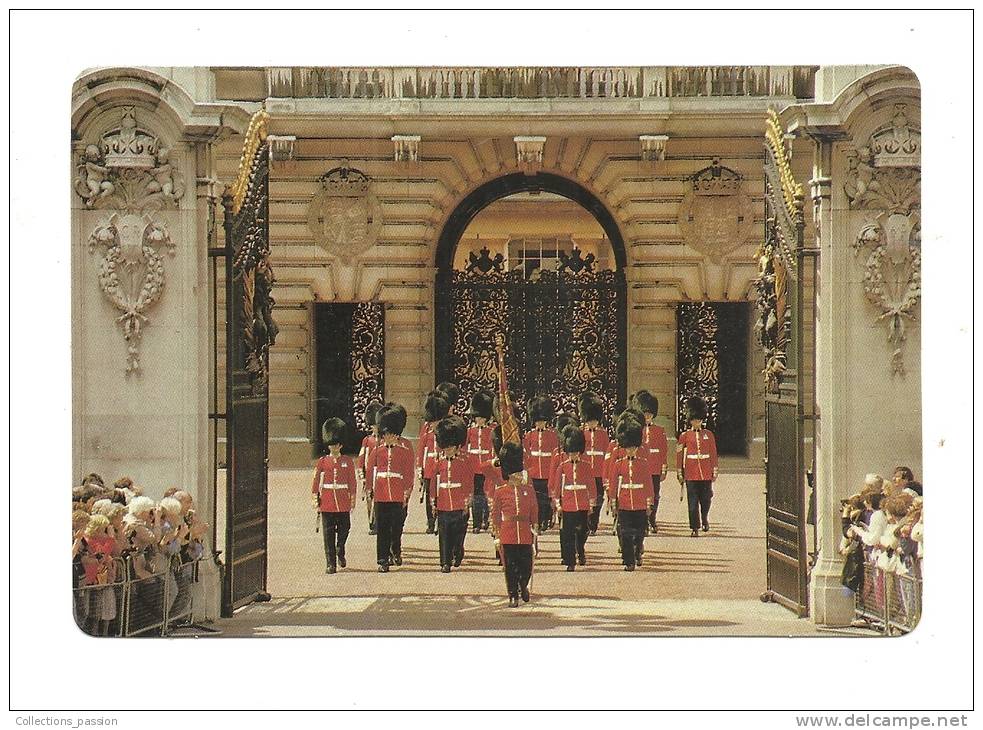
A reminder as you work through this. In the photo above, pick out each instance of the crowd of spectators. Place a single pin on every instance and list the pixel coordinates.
(883, 534)
(120, 536)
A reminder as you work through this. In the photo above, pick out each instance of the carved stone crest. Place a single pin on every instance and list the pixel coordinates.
(345, 216)
(129, 168)
(884, 177)
(716, 216)
(131, 273)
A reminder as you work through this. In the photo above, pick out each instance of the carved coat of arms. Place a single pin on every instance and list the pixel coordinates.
(345, 216)
(715, 216)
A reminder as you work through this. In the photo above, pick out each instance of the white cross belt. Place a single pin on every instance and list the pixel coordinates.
(697, 456)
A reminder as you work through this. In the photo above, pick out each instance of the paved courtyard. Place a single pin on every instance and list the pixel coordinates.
(687, 586)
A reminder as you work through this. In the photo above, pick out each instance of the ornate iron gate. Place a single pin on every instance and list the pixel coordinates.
(785, 295)
(250, 332)
(565, 331)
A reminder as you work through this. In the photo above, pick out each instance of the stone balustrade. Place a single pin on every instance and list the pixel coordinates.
(539, 82)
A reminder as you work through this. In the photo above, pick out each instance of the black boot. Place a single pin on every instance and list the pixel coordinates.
(341, 559)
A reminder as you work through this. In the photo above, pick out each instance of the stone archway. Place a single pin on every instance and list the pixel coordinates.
(567, 328)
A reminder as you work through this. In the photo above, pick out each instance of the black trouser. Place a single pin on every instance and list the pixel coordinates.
(389, 518)
(698, 495)
(656, 485)
(518, 568)
(452, 527)
(631, 525)
(398, 540)
(431, 512)
(479, 505)
(595, 514)
(335, 526)
(573, 536)
(543, 502)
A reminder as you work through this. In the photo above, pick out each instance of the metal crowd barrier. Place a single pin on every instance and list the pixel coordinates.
(132, 606)
(889, 602)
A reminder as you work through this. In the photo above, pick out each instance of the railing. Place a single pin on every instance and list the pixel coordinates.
(563, 82)
(889, 602)
(134, 606)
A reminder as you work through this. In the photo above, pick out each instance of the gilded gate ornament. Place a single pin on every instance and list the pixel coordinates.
(345, 216)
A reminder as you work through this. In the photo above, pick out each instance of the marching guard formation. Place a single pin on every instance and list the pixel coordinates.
(559, 475)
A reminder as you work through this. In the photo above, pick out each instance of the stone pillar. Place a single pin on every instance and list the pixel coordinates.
(830, 603)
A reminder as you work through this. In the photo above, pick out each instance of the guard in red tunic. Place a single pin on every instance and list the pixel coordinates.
(631, 482)
(561, 421)
(515, 514)
(435, 408)
(572, 490)
(455, 477)
(391, 467)
(334, 491)
(696, 464)
(654, 441)
(596, 445)
(539, 444)
(364, 455)
(479, 445)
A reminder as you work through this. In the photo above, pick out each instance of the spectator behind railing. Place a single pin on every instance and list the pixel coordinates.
(119, 535)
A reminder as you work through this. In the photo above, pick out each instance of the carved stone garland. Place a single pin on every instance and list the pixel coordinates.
(885, 176)
(129, 173)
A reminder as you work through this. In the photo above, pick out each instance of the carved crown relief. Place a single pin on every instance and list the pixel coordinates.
(884, 177)
(716, 216)
(344, 215)
(129, 168)
(129, 174)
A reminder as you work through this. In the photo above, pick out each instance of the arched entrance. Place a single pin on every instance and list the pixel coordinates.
(564, 319)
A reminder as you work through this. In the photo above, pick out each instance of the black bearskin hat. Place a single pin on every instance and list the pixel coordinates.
(590, 407)
(628, 432)
(510, 459)
(481, 404)
(646, 402)
(391, 419)
(450, 431)
(696, 408)
(540, 409)
(435, 407)
(630, 414)
(565, 419)
(372, 412)
(451, 392)
(333, 431)
(573, 440)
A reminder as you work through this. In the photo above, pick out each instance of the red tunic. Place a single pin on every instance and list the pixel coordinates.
(573, 484)
(479, 442)
(654, 439)
(368, 444)
(427, 453)
(631, 481)
(453, 482)
(334, 483)
(538, 446)
(391, 472)
(696, 455)
(614, 455)
(422, 442)
(597, 445)
(514, 512)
